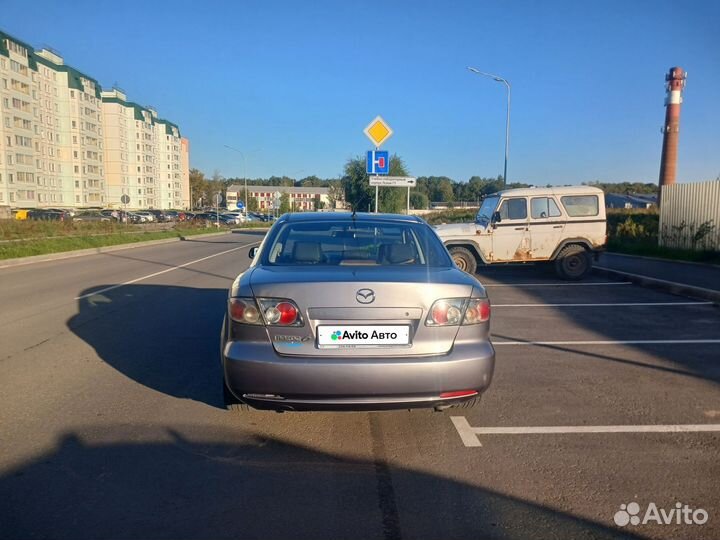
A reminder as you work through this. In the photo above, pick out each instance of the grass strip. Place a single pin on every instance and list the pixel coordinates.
(61, 244)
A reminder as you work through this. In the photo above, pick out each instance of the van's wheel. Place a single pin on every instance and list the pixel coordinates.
(232, 403)
(464, 259)
(573, 263)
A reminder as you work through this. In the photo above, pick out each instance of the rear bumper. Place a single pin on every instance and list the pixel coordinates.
(259, 376)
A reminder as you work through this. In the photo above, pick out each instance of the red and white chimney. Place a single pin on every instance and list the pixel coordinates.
(671, 130)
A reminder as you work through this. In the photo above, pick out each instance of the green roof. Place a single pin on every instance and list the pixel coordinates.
(75, 81)
(4, 50)
(139, 116)
(74, 76)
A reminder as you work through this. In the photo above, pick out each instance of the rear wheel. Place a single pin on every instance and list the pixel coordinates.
(467, 404)
(464, 259)
(573, 263)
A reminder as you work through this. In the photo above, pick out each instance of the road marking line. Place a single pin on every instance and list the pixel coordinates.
(465, 431)
(468, 434)
(617, 304)
(599, 283)
(143, 278)
(658, 280)
(624, 342)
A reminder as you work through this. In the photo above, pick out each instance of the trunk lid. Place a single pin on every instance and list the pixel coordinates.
(328, 297)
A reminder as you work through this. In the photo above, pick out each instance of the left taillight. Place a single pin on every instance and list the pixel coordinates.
(244, 311)
(268, 311)
(280, 312)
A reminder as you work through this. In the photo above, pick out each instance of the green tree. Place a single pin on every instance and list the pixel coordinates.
(252, 204)
(310, 181)
(318, 203)
(284, 203)
(419, 201)
(199, 188)
(335, 193)
(360, 195)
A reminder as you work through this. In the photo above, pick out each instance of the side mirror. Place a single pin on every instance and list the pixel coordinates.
(253, 252)
(495, 219)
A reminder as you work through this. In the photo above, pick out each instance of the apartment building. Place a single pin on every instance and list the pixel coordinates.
(19, 127)
(64, 142)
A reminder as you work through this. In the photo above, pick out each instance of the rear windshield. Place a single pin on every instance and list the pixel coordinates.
(347, 243)
(581, 205)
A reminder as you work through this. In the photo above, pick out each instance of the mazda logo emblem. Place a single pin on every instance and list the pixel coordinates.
(365, 296)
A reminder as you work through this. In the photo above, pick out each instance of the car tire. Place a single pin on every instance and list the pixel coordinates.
(464, 259)
(471, 403)
(232, 403)
(573, 263)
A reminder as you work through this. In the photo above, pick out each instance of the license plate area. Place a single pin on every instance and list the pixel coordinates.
(360, 336)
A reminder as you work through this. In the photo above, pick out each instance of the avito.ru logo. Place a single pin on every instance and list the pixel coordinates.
(629, 514)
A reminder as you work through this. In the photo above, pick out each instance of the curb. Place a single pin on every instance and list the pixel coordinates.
(20, 261)
(660, 259)
(672, 287)
(250, 229)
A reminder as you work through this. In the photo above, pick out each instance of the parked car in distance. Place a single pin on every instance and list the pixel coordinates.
(68, 212)
(21, 215)
(342, 311)
(160, 216)
(149, 216)
(136, 217)
(92, 216)
(563, 225)
(239, 216)
(48, 215)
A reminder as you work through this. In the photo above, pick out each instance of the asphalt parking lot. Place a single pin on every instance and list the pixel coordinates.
(604, 394)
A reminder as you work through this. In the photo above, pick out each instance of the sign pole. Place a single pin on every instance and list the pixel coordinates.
(408, 202)
(376, 189)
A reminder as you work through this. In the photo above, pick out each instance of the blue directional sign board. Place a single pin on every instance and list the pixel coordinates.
(378, 162)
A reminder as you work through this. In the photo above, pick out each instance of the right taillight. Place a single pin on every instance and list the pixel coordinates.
(477, 311)
(456, 311)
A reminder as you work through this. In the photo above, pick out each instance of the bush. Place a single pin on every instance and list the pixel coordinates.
(451, 216)
(632, 227)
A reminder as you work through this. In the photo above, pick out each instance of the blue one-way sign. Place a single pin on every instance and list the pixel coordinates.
(378, 162)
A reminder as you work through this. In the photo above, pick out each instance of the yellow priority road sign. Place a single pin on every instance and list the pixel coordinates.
(378, 131)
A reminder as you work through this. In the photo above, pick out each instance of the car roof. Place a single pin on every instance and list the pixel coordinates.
(349, 216)
(558, 190)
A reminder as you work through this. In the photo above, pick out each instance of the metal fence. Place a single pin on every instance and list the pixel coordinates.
(690, 216)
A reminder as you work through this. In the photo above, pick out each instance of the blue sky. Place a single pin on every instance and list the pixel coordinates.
(293, 84)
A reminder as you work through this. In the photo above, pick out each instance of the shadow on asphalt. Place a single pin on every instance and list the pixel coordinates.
(121, 482)
(164, 337)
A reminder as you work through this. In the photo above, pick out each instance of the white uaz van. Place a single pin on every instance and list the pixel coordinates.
(561, 224)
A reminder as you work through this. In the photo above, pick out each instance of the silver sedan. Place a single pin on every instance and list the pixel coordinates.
(354, 312)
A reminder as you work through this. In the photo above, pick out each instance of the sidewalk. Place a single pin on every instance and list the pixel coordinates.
(689, 279)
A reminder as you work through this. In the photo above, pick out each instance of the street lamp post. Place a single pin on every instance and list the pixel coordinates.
(507, 120)
(244, 176)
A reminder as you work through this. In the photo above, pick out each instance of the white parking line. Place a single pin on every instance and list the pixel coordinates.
(469, 434)
(616, 304)
(616, 342)
(143, 278)
(593, 284)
